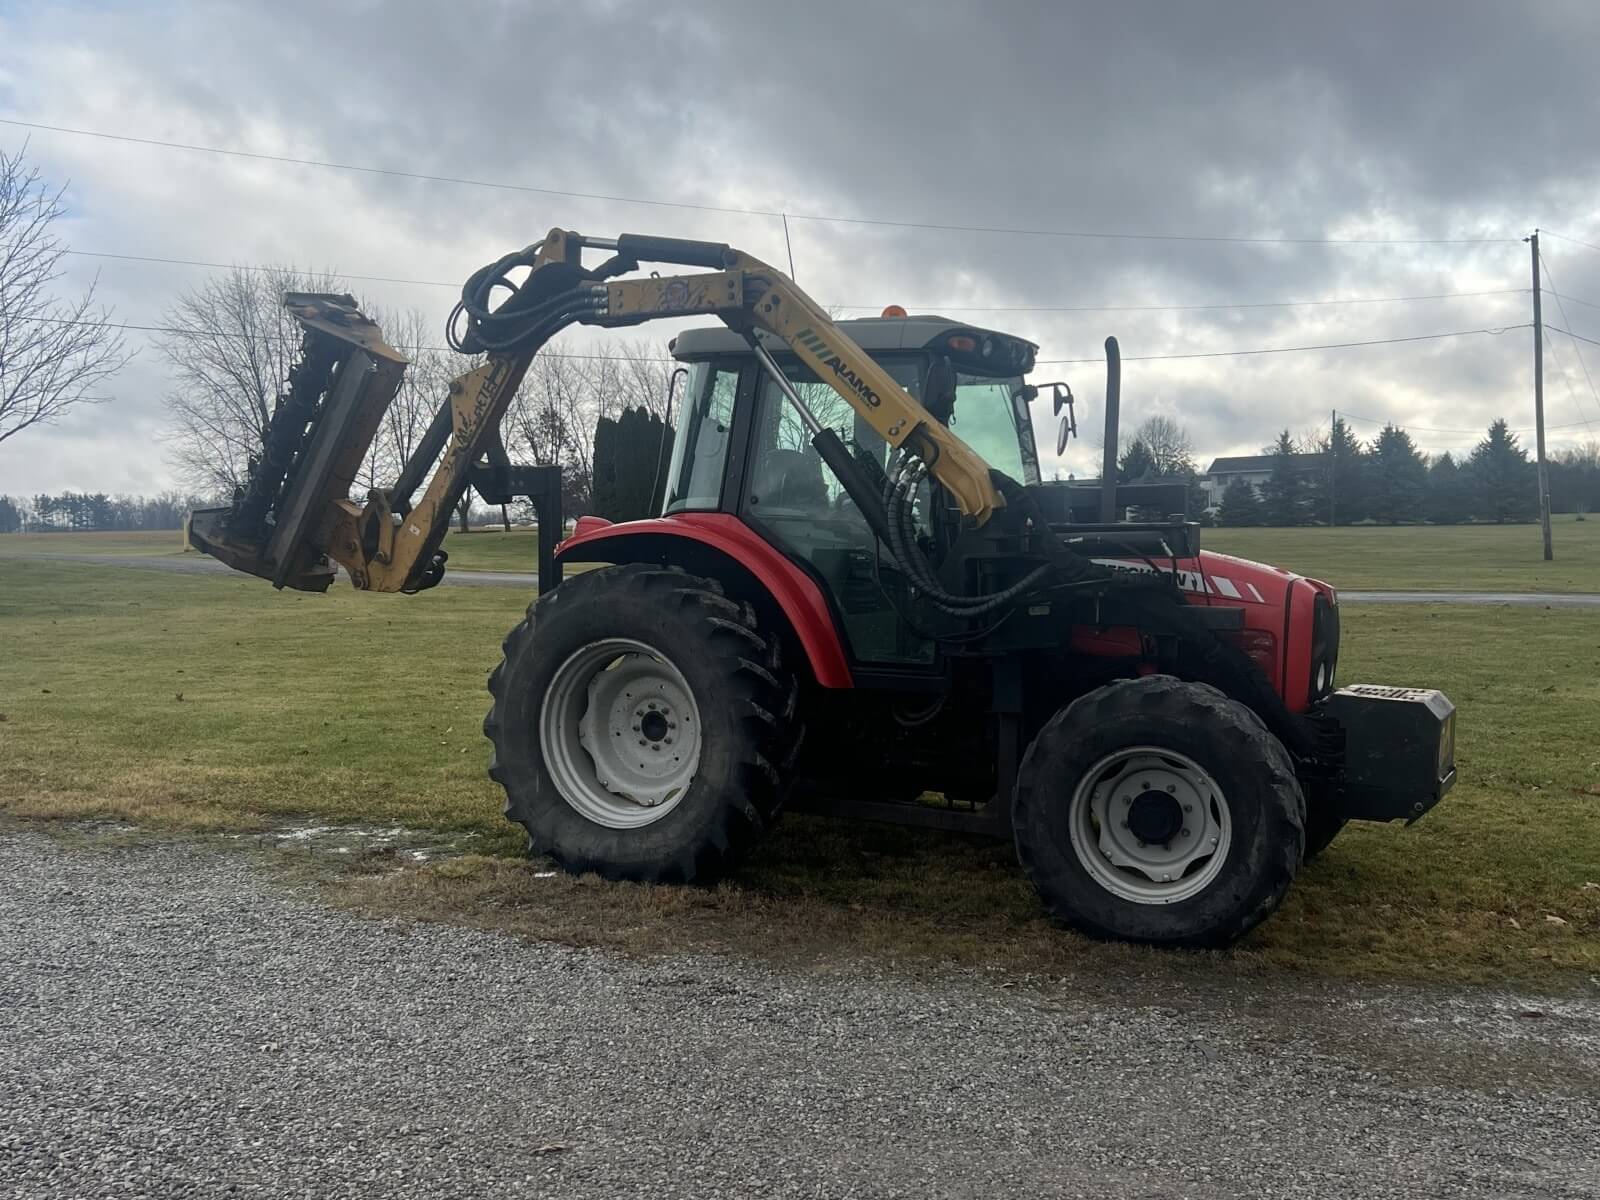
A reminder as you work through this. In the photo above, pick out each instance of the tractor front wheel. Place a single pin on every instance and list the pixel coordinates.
(643, 726)
(1154, 810)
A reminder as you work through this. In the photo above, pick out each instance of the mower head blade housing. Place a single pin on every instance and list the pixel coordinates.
(281, 518)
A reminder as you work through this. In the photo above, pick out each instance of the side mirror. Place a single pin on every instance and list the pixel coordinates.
(1062, 398)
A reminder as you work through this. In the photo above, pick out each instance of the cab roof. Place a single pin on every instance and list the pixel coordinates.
(875, 335)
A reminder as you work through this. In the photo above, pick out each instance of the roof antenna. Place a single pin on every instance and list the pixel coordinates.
(787, 245)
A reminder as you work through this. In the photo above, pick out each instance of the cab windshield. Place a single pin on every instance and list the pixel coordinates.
(991, 416)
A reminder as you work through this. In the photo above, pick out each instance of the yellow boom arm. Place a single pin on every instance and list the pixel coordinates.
(388, 551)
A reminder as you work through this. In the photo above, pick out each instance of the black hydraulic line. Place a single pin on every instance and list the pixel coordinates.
(921, 575)
(844, 466)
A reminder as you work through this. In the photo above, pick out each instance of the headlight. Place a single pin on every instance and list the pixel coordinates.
(1324, 647)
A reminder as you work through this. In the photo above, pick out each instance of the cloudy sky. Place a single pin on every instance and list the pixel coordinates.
(1359, 134)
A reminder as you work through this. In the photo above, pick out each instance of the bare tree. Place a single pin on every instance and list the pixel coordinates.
(54, 353)
(635, 374)
(1170, 449)
(554, 415)
(230, 346)
(423, 388)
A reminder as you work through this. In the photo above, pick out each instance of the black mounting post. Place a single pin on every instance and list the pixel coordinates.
(541, 486)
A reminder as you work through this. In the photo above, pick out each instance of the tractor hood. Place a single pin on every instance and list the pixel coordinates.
(1222, 579)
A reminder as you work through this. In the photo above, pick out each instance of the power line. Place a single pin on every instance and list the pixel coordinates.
(1421, 337)
(1068, 308)
(753, 212)
(1574, 299)
(207, 333)
(1573, 240)
(1562, 309)
(1043, 362)
(222, 266)
(1425, 429)
(1572, 394)
(935, 307)
(1578, 337)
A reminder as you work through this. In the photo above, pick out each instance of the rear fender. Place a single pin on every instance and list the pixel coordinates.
(726, 549)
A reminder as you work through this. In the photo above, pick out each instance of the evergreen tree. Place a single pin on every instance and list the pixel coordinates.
(630, 465)
(1339, 484)
(1501, 478)
(10, 516)
(1240, 505)
(1575, 480)
(1399, 477)
(1448, 500)
(1285, 498)
(1137, 462)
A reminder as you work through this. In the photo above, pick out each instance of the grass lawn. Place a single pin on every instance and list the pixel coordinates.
(1461, 558)
(141, 545)
(216, 704)
(1503, 558)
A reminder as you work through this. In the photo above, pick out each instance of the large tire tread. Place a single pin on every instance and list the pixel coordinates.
(1243, 740)
(724, 640)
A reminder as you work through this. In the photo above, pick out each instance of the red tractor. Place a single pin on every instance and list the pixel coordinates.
(858, 597)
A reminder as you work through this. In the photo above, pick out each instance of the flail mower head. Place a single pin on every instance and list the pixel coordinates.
(281, 518)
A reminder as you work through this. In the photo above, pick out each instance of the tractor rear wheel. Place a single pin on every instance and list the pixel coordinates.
(1154, 810)
(643, 726)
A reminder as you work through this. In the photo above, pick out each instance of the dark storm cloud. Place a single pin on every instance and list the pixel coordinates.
(1352, 120)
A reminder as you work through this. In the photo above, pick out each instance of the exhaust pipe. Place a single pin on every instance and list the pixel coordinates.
(1108, 468)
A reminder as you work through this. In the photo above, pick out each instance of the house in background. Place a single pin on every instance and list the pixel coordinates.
(1254, 469)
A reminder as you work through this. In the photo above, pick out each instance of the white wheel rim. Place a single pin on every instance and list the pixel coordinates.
(620, 733)
(1124, 805)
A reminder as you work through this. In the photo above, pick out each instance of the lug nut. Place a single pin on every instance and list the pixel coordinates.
(1183, 833)
(1188, 808)
(1171, 788)
(1124, 824)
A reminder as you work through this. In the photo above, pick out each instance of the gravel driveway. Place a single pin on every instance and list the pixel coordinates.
(172, 1022)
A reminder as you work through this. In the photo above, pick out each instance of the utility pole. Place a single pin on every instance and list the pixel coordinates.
(1333, 469)
(1538, 401)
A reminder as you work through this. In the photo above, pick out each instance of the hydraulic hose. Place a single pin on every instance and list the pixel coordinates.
(901, 489)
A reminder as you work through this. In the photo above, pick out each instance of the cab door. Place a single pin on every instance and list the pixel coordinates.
(794, 500)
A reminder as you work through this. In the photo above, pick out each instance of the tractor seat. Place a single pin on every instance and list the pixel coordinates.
(790, 479)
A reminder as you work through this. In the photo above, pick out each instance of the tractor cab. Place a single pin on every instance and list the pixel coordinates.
(742, 449)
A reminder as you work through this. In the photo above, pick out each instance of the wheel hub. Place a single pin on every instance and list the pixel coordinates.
(1155, 817)
(620, 732)
(1150, 825)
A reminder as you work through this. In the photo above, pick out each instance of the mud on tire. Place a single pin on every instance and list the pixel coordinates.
(749, 730)
(1253, 776)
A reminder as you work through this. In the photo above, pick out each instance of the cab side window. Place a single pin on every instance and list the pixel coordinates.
(700, 452)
